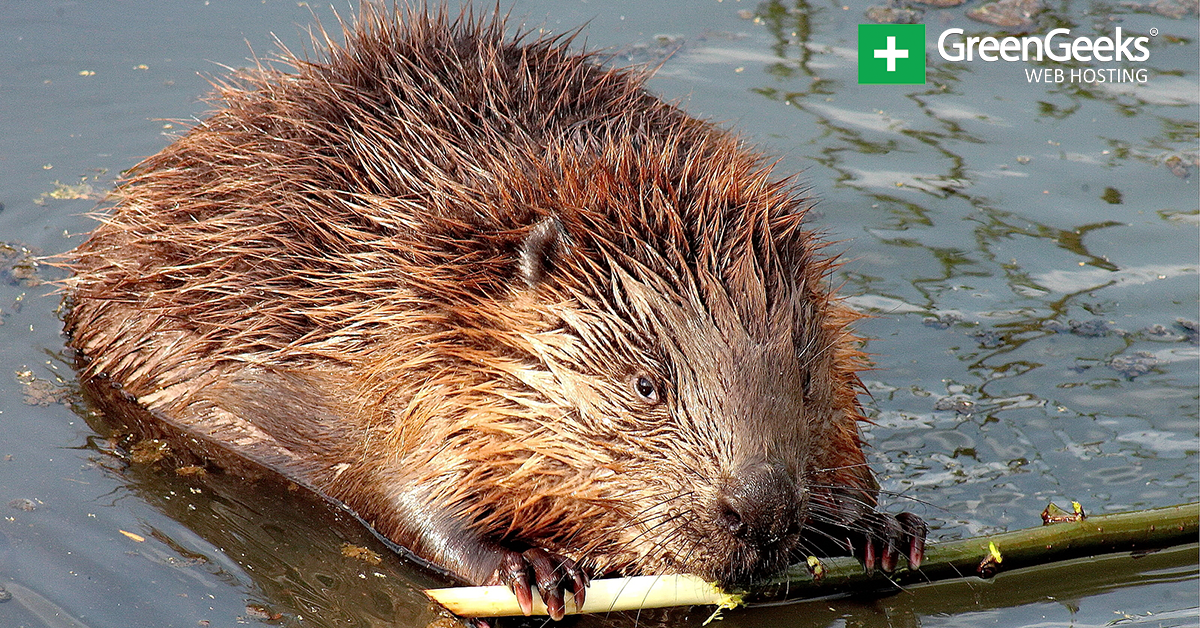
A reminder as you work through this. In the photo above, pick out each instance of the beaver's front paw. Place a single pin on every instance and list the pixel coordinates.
(883, 538)
(553, 575)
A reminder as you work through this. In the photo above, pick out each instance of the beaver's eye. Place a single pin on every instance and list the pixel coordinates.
(646, 389)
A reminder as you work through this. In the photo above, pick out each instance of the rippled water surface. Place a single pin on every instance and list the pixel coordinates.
(1028, 253)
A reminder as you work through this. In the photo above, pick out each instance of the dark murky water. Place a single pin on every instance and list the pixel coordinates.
(1029, 252)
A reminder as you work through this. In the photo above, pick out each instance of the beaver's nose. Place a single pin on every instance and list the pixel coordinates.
(759, 505)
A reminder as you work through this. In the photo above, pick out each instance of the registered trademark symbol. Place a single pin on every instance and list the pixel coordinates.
(1154, 32)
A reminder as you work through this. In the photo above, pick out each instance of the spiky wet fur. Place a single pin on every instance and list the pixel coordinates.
(337, 274)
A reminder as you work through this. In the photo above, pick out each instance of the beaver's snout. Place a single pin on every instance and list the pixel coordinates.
(761, 508)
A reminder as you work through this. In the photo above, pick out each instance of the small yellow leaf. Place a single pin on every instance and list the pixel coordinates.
(995, 551)
(816, 568)
(136, 537)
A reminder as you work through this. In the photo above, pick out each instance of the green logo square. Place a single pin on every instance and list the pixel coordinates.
(891, 54)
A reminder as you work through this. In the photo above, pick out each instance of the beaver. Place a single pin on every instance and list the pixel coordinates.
(523, 317)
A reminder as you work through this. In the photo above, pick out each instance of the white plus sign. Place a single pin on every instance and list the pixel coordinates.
(891, 54)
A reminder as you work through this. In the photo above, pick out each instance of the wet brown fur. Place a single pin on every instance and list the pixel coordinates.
(339, 274)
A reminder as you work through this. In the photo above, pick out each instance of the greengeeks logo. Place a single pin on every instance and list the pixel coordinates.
(891, 54)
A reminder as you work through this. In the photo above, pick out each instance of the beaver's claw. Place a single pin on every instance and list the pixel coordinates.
(886, 537)
(553, 575)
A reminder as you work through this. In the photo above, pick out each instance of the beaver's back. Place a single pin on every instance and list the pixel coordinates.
(276, 225)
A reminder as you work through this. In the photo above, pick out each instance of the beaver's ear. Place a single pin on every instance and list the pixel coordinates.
(545, 243)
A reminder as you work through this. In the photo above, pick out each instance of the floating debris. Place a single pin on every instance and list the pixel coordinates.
(1190, 329)
(66, 192)
(18, 265)
(988, 339)
(40, 392)
(136, 538)
(191, 471)
(1177, 167)
(1131, 366)
(361, 553)
(23, 504)
(262, 613)
(1056, 327)
(942, 320)
(1012, 14)
(1093, 328)
(1174, 9)
(893, 15)
(148, 451)
(964, 407)
(1160, 333)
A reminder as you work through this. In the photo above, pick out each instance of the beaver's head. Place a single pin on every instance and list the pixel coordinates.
(662, 382)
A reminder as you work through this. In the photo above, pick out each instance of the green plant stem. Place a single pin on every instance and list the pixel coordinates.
(1137, 531)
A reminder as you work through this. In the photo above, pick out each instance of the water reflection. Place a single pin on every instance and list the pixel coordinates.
(1020, 264)
(298, 559)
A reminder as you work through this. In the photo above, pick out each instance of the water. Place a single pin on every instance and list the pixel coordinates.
(1027, 251)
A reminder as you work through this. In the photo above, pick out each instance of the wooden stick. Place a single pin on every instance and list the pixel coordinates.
(609, 594)
(1141, 530)
(978, 556)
